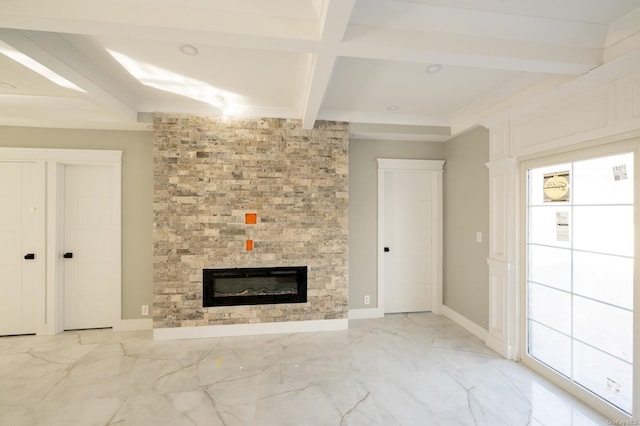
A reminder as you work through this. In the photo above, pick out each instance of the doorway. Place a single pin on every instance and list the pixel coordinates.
(409, 235)
(580, 268)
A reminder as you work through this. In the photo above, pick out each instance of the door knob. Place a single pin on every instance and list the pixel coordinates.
(30, 256)
(68, 255)
(387, 250)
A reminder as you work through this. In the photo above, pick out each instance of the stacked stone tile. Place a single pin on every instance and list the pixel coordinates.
(208, 173)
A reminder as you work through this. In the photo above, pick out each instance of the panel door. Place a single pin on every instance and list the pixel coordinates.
(22, 251)
(408, 198)
(89, 264)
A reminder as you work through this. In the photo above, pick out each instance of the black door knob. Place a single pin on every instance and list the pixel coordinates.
(30, 256)
(387, 250)
(68, 255)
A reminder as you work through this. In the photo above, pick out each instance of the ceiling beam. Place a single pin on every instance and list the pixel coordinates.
(335, 20)
(307, 36)
(623, 37)
(121, 17)
(303, 82)
(320, 75)
(384, 118)
(396, 132)
(363, 41)
(55, 53)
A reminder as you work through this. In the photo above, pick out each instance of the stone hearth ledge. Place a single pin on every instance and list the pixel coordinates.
(229, 330)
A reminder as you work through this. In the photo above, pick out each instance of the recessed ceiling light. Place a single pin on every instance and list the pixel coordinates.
(433, 68)
(393, 107)
(190, 50)
(7, 85)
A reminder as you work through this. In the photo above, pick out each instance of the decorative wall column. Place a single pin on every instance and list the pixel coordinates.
(503, 290)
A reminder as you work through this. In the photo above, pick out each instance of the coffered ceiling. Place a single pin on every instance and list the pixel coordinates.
(416, 69)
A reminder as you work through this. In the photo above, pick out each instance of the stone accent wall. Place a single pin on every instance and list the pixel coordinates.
(208, 173)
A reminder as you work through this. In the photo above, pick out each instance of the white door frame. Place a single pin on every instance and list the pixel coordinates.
(436, 168)
(49, 303)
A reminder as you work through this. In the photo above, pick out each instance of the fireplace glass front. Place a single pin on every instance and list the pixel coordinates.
(254, 286)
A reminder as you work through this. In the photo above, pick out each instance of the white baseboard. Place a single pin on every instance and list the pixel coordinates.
(249, 329)
(499, 346)
(134, 325)
(464, 322)
(365, 313)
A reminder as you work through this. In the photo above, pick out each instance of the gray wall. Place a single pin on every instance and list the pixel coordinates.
(363, 206)
(137, 197)
(465, 192)
(466, 211)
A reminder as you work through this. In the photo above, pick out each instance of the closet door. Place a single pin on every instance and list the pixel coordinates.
(90, 255)
(409, 235)
(22, 249)
(408, 240)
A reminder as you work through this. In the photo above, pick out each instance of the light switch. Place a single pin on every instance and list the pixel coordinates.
(478, 237)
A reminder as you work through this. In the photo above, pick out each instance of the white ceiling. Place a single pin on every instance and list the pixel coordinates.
(362, 61)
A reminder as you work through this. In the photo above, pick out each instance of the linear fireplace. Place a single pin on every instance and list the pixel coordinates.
(254, 286)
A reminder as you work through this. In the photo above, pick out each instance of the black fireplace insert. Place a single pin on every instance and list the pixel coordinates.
(254, 286)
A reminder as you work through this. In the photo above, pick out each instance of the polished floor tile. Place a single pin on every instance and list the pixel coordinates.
(405, 369)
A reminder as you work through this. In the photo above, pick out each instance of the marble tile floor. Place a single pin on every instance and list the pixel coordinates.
(405, 369)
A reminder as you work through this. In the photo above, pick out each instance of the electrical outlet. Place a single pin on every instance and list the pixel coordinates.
(145, 309)
(367, 299)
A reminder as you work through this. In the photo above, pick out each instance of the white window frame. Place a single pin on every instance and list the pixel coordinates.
(573, 154)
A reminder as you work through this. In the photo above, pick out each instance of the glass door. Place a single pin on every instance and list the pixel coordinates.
(579, 274)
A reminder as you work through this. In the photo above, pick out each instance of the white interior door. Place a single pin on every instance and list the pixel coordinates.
(22, 252)
(408, 273)
(90, 264)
